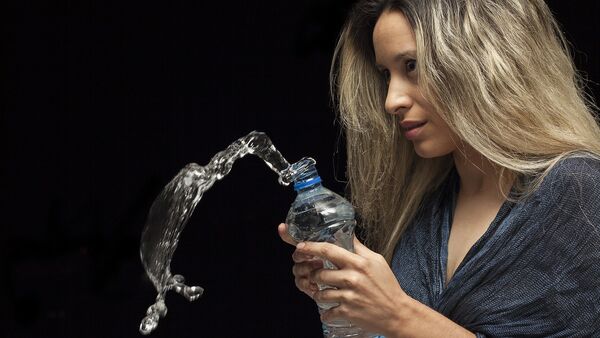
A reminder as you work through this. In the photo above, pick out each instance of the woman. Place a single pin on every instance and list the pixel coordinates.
(473, 164)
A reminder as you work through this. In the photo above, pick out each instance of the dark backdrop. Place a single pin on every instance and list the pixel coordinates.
(106, 100)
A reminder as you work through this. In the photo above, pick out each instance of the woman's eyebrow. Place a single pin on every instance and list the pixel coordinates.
(409, 53)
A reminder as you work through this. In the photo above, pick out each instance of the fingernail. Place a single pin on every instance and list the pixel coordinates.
(300, 245)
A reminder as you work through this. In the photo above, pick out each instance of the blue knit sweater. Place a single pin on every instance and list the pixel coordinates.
(536, 270)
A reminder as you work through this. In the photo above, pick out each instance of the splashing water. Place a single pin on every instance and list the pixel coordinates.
(173, 207)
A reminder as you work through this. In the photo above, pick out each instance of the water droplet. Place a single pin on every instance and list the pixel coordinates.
(149, 324)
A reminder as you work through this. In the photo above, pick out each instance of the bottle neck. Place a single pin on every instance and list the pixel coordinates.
(307, 180)
(308, 185)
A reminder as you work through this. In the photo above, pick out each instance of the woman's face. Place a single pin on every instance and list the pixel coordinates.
(395, 53)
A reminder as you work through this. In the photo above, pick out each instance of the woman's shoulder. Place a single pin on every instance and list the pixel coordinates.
(580, 170)
(571, 187)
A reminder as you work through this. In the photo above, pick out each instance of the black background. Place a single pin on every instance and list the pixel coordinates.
(106, 100)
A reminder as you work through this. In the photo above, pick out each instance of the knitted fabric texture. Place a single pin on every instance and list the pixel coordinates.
(534, 272)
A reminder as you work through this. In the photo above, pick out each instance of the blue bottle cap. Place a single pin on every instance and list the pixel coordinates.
(302, 185)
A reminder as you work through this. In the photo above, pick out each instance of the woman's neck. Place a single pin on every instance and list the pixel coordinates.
(478, 175)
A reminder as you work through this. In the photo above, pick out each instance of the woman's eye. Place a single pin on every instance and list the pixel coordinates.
(411, 65)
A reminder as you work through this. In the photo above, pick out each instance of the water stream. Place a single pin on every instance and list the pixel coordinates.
(173, 207)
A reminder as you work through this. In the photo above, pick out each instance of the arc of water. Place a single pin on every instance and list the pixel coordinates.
(173, 207)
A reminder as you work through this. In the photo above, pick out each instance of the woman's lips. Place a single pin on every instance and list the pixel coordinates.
(412, 128)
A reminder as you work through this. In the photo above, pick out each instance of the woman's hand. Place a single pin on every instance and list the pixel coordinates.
(304, 264)
(367, 290)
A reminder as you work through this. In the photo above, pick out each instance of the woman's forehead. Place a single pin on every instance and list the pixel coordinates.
(393, 36)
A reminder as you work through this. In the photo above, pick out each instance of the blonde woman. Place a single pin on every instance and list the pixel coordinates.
(473, 164)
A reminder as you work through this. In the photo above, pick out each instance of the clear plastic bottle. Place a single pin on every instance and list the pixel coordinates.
(320, 215)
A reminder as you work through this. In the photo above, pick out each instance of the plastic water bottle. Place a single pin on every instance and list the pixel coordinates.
(320, 215)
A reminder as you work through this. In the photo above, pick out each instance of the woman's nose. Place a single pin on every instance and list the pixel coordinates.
(398, 99)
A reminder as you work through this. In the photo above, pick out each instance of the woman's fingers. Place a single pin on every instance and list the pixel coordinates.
(339, 256)
(306, 286)
(360, 248)
(285, 236)
(306, 268)
(341, 279)
(302, 272)
(299, 257)
(333, 296)
(345, 300)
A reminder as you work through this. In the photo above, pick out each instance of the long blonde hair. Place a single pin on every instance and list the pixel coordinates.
(498, 72)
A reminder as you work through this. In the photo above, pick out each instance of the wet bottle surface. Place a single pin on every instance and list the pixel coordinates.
(320, 215)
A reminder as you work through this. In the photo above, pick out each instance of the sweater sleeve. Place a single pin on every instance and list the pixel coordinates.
(573, 225)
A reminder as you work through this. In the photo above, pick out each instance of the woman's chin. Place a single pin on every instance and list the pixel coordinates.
(428, 150)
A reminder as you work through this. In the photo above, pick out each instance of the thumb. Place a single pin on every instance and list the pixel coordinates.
(285, 236)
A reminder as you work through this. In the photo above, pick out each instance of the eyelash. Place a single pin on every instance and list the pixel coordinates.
(414, 62)
(386, 73)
